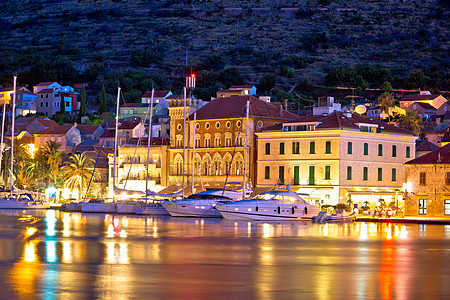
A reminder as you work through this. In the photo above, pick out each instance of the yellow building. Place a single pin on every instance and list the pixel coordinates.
(237, 90)
(428, 185)
(219, 138)
(132, 165)
(336, 158)
(424, 97)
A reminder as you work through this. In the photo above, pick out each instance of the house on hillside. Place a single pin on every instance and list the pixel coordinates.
(237, 90)
(67, 135)
(159, 97)
(53, 98)
(424, 110)
(424, 97)
(126, 131)
(90, 132)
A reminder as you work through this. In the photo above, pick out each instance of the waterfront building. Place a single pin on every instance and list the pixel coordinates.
(335, 158)
(159, 97)
(427, 188)
(219, 139)
(132, 165)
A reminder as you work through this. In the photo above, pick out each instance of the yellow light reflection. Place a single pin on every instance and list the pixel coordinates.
(123, 233)
(110, 232)
(363, 231)
(30, 252)
(66, 251)
(155, 231)
(267, 230)
(30, 231)
(110, 256)
(325, 229)
(403, 233)
(123, 253)
(249, 229)
(66, 224)
(389, 232)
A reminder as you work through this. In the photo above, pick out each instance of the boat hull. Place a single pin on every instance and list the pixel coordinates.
(99, 207)
(75, 207)
(260, 212)
(126, 208)
(11, 204)
(152, 210)
(192, 210)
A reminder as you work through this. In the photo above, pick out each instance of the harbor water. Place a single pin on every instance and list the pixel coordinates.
(48, 254)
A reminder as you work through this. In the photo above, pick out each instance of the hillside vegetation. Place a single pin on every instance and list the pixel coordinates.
(302, 43)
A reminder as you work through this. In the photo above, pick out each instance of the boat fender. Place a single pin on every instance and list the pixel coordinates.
(293, 210)
(279, 210)
(115, 206)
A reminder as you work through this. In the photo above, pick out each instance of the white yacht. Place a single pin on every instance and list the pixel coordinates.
(201, 204)
(22, 201)
(99, 206)
(275, 205)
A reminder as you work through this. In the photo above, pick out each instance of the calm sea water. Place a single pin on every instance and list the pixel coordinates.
(56, 255)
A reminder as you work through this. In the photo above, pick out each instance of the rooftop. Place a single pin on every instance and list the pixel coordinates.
(438, 156)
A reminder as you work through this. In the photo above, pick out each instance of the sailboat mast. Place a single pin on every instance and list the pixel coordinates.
(3, 133)
(149, 140)
(184, 136)
(12, 135)
(115, 140)
(245, 151)
(193, 152)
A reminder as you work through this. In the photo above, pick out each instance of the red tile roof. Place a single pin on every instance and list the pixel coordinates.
(419, 97)
(230, 91)
(340, 120)
(425, 105)
(156, 94)
(124, 125)
(426, 146)
(234, 107)
(47, 123)
(87, 128)
(438, 156)
(57, 130)
(45, 91)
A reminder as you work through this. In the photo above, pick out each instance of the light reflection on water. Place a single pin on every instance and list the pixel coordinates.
(55, 254)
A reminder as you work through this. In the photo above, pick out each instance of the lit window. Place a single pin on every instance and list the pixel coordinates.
(422, 206)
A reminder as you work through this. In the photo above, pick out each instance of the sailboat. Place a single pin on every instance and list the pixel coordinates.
(150, 207)
(104, 205)
(203, 204)
(21, 199)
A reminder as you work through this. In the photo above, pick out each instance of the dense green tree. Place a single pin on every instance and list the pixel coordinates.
(77, 173)
(416, 79)
(267, 83)
(411, 121)
(386, 101)
(386, 87)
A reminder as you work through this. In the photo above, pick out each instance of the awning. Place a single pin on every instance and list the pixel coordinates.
(372, 191)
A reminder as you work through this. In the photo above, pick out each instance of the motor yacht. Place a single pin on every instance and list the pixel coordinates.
(275, 205)
(99, 206)
(22, 201)
(201, 204)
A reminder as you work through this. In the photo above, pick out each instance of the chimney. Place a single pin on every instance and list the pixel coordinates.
(285, 104)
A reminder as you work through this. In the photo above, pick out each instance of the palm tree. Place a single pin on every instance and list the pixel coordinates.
(411, 121)
(77, 172)
(386, 101)
(37, 168)
(53, 158)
